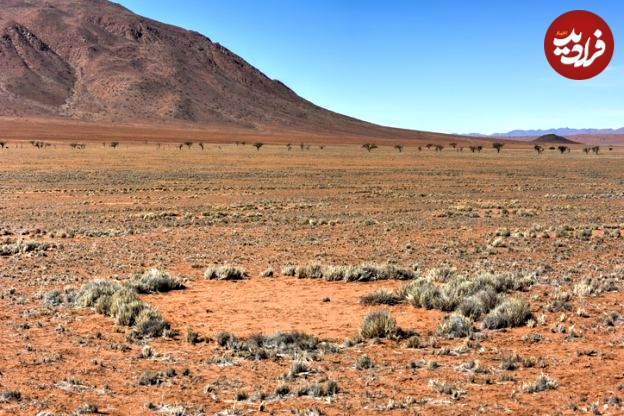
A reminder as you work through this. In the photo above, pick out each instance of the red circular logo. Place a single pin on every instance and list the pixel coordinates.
(579, 45)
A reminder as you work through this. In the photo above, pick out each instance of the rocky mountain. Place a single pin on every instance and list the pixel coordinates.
(94, 60)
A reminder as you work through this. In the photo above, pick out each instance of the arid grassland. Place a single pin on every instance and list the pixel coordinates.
(232, 279)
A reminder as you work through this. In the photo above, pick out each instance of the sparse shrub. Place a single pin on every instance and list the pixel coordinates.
(258, 145)
(414, 342)
(361, 273)
(455, 326)
(378, 324)
(88, 408)
(380, 297)
(192, 337)
(289, 270)
(149, 378)
(282, 390)
(267, 273)
(225, 273)
(10, 396)
(369, 146)
(510, 361)
(511, 312)
(154, 280)
(364, 363)
(150, 323)
(542, 383)
(227, 340)
(52, 299)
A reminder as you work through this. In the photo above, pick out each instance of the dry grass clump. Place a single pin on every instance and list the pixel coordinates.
(456, 326)
(511, 312)
(261, 347)
(156, 281)
(378, 324)
(26, 246)
(542, 383)
(380, 297)
(225, 273)
(361, 273)
(120, 301)
(469, 297)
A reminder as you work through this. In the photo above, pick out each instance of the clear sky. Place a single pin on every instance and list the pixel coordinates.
(448, 66)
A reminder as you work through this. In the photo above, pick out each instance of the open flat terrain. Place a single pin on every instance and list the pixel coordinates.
(551, 225)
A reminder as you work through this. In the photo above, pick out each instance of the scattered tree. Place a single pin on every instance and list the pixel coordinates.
(289, 147)
(302, 146)
(258, 145)
(586, 150)
(453, 145)
(180, 146)
(539, 149)
(2, 144)
(563, 149)
(428, 146)
(439, 147)
(610, 148)
(322, 147)
(420, 148)
(399, 147)
(369, 146)
(201, 145)
(498, 146)
(188, 144)
(114, 145)
(479, 148)
(596, 149)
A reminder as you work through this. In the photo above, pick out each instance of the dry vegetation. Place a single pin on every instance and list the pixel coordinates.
(235, 279)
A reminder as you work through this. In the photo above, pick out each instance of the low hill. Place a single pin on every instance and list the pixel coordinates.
(554, 139)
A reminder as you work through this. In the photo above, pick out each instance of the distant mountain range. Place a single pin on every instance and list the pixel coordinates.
(565, 131)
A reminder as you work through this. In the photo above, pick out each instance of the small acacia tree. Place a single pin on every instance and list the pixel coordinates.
(2, 144)
(114, 145)
(539, 149)
(188, 144)
(369, 146)
(453, 145)
(399, 147)
(563, 149)
(498, 146)
(258, 145)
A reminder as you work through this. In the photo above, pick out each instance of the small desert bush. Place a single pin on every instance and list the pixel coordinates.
(10, 396)
(225, 273)
(122, 303)
(378, 324)
(154, 280)
(511, 312)
(329, 388)
(380, 297)
(456, 326)
(470, 297)
(364, 363)
(361, 273)
(260, 347)
(542, 383)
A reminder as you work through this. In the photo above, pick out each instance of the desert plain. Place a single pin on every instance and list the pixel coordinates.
(294, 242)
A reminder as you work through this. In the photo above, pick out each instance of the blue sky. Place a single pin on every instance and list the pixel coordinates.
(452, 66)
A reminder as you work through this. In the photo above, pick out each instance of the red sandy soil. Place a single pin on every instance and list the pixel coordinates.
(338, 205)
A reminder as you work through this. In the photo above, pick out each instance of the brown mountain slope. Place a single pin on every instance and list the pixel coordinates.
(93, 60)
